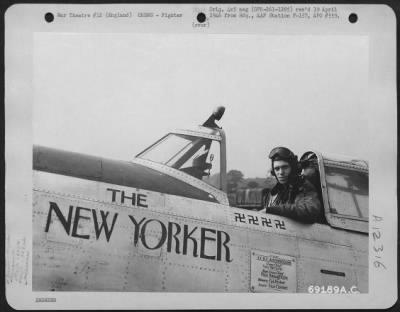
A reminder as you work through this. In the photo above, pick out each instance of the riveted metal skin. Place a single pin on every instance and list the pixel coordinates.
(214, 193)
(132, 174)
(108, 225)
(148, 254)
(204, 132)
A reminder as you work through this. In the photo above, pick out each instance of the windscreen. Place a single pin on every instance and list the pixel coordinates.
(197, 156)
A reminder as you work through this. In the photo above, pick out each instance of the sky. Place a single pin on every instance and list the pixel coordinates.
(112, 95)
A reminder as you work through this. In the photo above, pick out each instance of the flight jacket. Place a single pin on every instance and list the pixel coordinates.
(302, 203)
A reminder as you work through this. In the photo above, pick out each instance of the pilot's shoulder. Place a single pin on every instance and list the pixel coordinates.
(307, 186)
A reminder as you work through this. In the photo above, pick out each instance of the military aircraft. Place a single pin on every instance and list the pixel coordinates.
(163, 222)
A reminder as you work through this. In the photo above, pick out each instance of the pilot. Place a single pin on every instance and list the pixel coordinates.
(293, 196)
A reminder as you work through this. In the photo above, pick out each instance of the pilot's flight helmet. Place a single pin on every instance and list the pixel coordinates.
(283, 153)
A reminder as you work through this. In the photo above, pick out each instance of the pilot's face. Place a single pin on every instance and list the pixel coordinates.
(282, 171)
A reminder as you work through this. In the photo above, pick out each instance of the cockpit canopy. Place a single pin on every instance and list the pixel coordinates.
(343, 186)
(196, 153)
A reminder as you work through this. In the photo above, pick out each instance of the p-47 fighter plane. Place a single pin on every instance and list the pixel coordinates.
(163, 222)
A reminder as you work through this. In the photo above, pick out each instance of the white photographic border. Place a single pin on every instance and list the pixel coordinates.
(376, 22)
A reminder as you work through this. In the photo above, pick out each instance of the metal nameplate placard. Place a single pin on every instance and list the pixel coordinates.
(272, 272)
